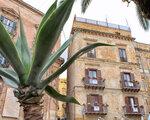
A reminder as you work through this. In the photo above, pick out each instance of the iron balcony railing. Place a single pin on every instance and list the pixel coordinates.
(94, 82)
(102, 23)
(133, 110)
(132, 86)
(96, 109)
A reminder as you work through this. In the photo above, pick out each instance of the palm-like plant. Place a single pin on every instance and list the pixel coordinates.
(26, 72)
(142, 6)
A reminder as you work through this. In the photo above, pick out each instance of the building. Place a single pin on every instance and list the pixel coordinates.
(9, 16)
(61, 113)
(111, 83)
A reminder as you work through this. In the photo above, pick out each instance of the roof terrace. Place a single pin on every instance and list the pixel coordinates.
(102, 23)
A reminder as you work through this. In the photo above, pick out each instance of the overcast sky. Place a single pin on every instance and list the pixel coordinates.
(116, 12)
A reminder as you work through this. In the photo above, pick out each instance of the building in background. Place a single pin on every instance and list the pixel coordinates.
(9, 16)
(111, 83)
(61, 113)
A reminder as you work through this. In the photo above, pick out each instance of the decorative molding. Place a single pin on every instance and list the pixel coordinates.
(125, 67)
(124, 45)
(90, 39)
(103, 34)
(10, 11)
(92, 64)
(21, 2)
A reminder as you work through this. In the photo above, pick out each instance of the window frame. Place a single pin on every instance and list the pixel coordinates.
(122, 54)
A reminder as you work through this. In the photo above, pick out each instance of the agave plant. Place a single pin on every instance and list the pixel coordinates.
(142, 6)
(25, 75)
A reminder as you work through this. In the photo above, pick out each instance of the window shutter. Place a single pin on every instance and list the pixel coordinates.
(122, 76)
(98, 74)
(1, 18)
(128, 106)
(132, 76)
(86, 73)
(14, 26)
(89, 104)
(127, 101)
(100, 100)
(136, 101)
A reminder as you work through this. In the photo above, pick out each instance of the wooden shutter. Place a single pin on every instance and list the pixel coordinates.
(132, 76)
(122, 76)
(101, 102)
(89, 103)
(86, 73)
(128, 104)
(136, 101)
(98, 74)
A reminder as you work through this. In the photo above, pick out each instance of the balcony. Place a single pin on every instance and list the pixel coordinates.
(96, 110)
(94, 83)
(132, 86)
(133, 111)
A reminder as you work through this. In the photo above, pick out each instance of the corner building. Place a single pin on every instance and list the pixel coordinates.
(107, 81)
(31, 17)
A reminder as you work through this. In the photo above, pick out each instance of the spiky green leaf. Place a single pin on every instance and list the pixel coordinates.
(8, 49)
(23, 49)
(56, 55)
(53, 93)
(47, 38)
(10, 77)
(69, 62)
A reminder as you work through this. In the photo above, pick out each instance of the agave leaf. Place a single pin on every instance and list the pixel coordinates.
(69, 62)
(48, 13)
(10, 76)
(56, 55)
(8, 49)
(10, 83)
(53, 93)
(23, 49)
(47, 38)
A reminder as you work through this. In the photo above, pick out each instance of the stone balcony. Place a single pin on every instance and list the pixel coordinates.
(96, 110)
(94, 83)
(136, 111)
(132, 86)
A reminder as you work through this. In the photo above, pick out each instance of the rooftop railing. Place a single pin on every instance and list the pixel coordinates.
(102, 23)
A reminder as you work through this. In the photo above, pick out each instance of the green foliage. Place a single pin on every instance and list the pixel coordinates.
(26, 77)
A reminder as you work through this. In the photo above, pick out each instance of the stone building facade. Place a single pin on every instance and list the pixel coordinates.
(31, 17)
(108, 82)
(62, 88)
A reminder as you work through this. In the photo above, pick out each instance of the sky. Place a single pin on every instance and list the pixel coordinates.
(115, 11)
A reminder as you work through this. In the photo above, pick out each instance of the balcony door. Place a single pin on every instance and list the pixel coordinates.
(127, 79)
(133, 105)
(94, 102)
(92, 74)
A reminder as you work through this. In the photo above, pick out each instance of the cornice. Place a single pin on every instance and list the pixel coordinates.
(142, 50)
(21, 2)
(98, 60)
(103, 34)
(10, 11)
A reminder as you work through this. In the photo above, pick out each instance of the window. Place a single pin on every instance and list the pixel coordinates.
(132, 103)
(9, 24)
(92, 76)
(128, 79)
(95, 102)
(1, 84)
(91, 53)
(122, 55)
